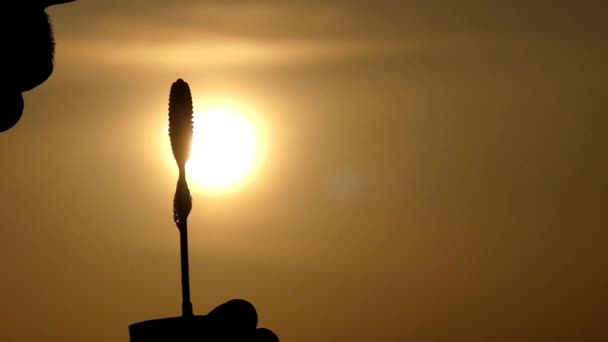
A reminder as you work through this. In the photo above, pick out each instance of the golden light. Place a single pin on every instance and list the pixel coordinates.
(225, 148)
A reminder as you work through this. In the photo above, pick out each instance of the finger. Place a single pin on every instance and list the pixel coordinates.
(265, 335)
(235, 315)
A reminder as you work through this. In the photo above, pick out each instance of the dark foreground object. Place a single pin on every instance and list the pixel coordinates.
(234, 321)
(27, 52)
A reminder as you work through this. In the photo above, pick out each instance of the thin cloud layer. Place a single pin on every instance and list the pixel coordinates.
(207, 34)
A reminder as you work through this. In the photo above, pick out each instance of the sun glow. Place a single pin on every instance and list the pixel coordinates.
(225, 148)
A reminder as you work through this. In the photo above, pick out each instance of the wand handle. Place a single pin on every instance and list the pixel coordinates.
(182, 204)
(183, 241)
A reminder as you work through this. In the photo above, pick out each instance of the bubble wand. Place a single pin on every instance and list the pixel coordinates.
(180, 134)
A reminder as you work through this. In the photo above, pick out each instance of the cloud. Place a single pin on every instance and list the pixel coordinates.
(212, 53)
(320, 19)
(204, 34)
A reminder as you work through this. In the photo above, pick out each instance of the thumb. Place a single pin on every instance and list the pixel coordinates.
(236, 315)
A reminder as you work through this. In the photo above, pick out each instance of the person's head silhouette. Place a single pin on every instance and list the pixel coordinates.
(26, 60)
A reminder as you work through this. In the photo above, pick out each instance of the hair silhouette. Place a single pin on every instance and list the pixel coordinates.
(26, 60)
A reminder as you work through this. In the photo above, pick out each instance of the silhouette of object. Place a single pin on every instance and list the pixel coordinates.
(180, 135)
(26, 60)
(234, 321)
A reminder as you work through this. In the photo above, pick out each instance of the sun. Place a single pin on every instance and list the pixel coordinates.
(225, 148)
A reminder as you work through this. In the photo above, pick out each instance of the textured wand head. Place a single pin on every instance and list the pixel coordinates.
(180, 121)
(180, 134)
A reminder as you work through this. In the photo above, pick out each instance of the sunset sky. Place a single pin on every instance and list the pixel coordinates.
(431, 171)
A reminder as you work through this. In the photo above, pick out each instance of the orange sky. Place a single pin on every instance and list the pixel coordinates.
(433, 173)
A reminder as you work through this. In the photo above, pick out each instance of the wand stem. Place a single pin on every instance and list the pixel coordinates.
(183, 241)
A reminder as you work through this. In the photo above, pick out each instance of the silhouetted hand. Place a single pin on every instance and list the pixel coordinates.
(233, 321)
(239, 317)
(26, 58)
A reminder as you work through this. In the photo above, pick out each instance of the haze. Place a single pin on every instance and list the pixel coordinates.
(434, 172)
